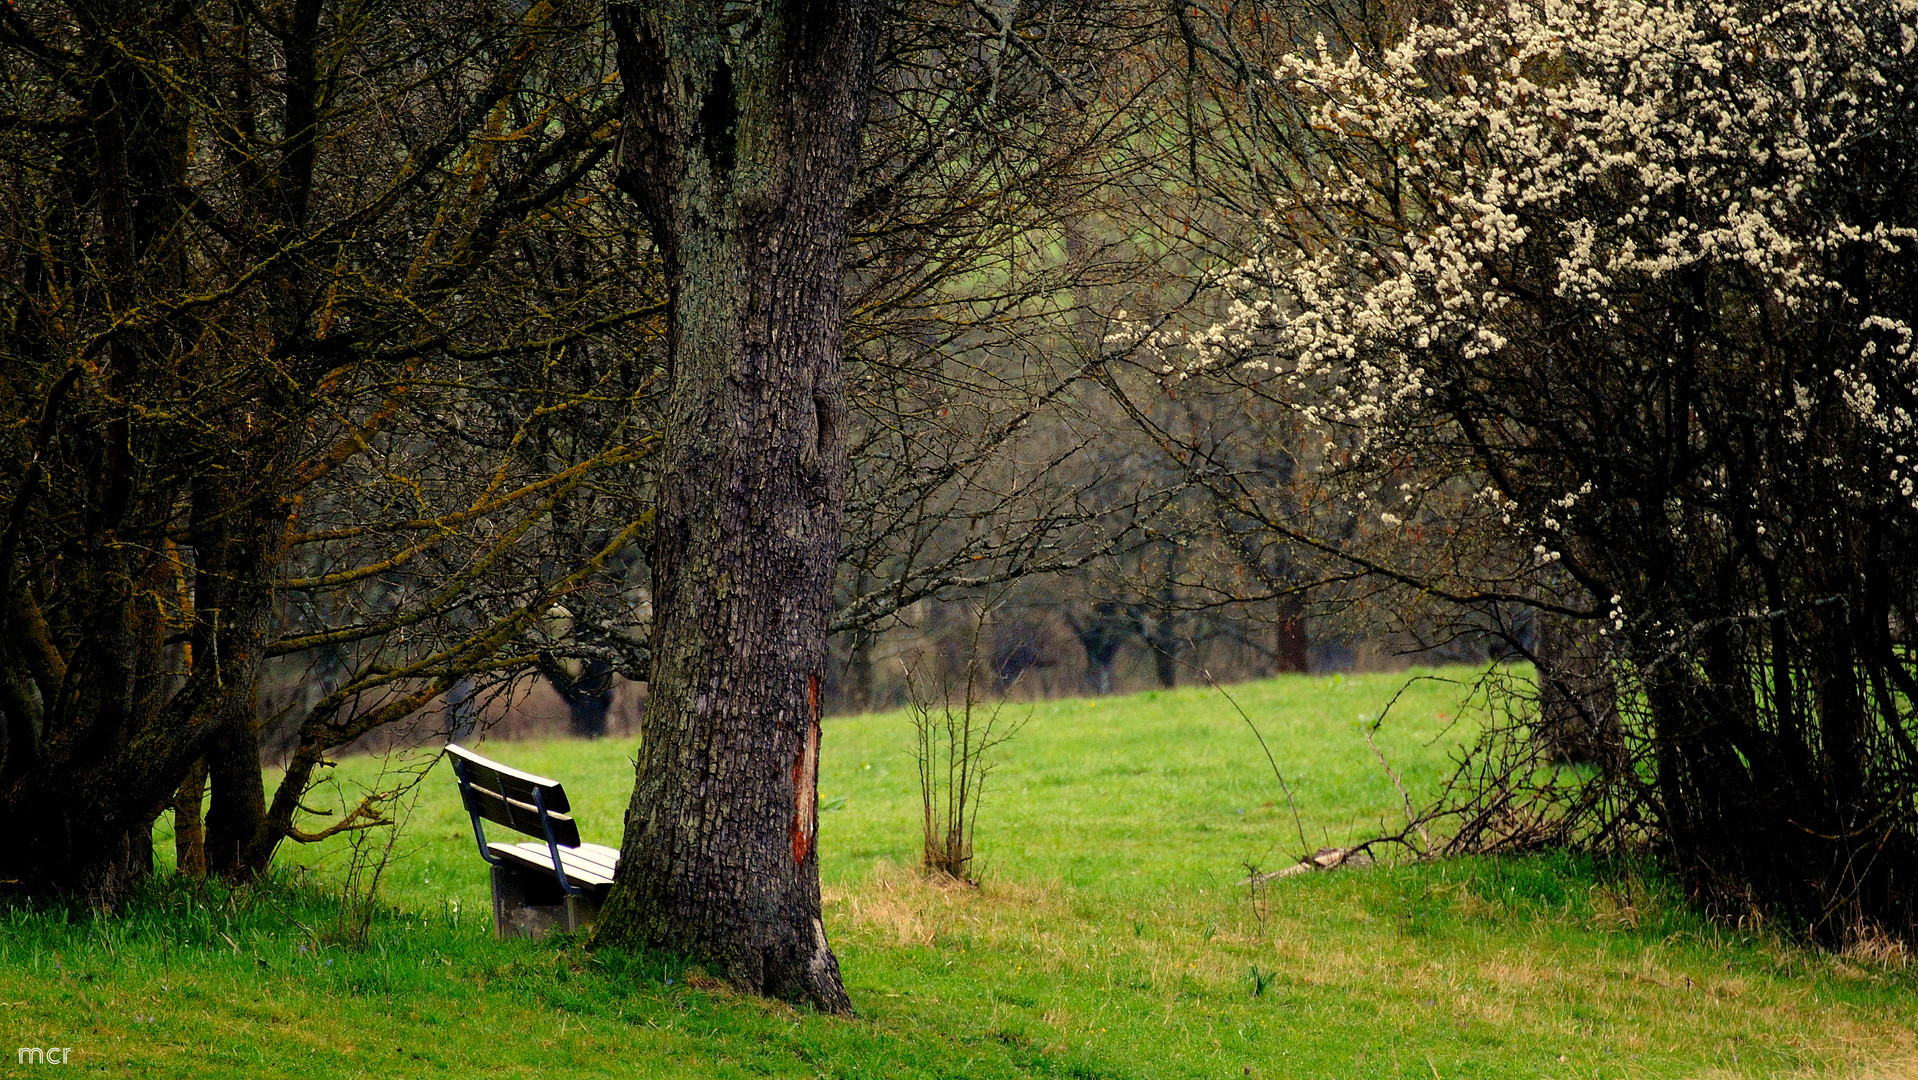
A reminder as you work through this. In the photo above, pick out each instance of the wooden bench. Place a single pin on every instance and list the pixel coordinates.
(537, 886)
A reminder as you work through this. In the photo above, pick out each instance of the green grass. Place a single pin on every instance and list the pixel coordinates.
(1110, 938)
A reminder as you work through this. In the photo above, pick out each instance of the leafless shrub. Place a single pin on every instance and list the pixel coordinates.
(372, 825)
(1511, 791)
(954, 745)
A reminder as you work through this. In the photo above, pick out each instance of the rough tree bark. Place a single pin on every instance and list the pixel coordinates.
(740, 139)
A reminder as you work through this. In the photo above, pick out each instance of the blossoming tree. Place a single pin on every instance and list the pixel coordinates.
(1612, 302)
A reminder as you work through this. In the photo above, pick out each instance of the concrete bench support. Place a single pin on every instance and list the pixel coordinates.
(528, 905)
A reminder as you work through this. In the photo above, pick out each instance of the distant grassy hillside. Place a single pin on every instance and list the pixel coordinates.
(1111, 937)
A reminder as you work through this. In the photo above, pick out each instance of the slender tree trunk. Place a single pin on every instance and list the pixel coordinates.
(740, 141)
(1290, 647)
(236, 814)
(1102, 632)
(1165, 653)
(189, 823)
(859, 671)
(1162, 630)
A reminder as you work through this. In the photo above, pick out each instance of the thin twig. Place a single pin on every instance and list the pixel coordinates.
(1297, 821)
(1411, 817)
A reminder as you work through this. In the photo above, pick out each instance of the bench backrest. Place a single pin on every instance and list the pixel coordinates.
(512, 798)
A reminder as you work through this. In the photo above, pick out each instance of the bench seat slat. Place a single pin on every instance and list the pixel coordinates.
(592, 855)
(588, 866)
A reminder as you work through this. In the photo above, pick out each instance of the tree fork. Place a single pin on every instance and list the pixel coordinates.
(739, 144)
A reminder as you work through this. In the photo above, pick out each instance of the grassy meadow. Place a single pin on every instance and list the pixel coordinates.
(1111, 937)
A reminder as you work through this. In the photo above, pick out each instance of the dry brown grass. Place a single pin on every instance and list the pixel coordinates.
(1869, 947)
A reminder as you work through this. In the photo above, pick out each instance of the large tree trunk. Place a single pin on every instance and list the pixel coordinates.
(740, 141)
(859, 671)
(588, 696)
